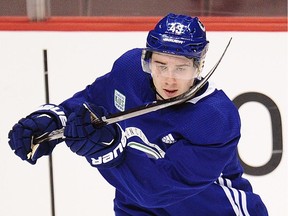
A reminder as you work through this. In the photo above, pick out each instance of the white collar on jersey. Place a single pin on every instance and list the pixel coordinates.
(211, 88)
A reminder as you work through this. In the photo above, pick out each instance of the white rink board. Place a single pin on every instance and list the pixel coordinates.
(255, 62)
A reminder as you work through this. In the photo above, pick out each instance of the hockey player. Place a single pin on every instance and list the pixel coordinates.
(177, 161)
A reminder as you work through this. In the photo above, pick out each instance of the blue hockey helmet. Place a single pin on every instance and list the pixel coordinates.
(179, 35)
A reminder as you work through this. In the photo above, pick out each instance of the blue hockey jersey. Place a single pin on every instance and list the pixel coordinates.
(179, 161)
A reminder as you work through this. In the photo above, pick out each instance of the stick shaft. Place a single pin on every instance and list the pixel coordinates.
(47, 99)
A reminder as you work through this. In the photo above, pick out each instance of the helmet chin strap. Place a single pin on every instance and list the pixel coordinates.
(157, 93)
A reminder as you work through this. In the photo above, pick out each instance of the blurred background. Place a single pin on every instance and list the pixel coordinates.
(146, 8)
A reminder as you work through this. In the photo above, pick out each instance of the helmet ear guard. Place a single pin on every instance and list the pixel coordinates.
(178, 35)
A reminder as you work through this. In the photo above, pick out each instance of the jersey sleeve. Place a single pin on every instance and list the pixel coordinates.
(124, 77)
(96, 93)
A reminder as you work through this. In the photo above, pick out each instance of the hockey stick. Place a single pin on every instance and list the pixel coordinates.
(154, 106)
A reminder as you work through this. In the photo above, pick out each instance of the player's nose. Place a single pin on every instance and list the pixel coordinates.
(170, 80)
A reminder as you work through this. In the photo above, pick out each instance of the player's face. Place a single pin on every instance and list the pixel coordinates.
(172, 75)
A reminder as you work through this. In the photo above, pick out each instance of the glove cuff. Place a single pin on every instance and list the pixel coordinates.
(56, 112)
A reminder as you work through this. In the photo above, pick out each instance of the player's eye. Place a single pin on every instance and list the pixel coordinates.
(162, 67)
(180, 69)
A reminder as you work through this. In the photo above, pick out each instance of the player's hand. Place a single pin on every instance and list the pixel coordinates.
(45, 120)
(90, 140)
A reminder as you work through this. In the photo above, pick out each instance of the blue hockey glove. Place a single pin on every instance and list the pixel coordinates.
(93, 141)
(43, 121)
